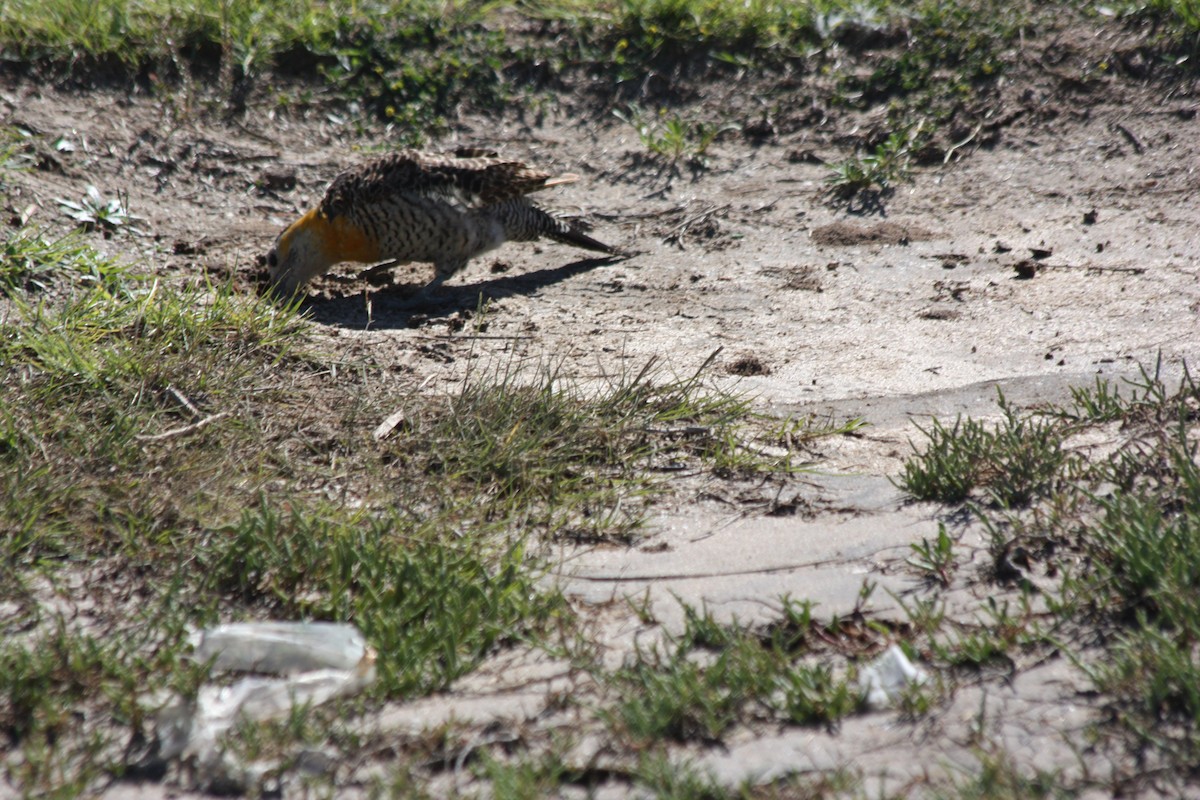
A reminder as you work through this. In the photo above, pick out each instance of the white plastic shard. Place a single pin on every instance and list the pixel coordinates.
(886, 678)
(280, 648)
(317, 661)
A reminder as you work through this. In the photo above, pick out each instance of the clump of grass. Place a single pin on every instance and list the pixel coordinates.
(432, 605)
(696, 686)
(29, 260)
(672, 138)
(1016, 461)
(877, 171)
(581, 463)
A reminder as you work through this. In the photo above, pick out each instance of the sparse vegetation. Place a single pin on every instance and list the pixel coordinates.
(670, 137)
(110, 378)
(877, 171)
(695, 686)
(1131, 514)
(178, 451)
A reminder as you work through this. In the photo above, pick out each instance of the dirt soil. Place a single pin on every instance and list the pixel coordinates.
(1065, 248)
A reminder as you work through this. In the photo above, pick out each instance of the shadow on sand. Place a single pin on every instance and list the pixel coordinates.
(401, 306)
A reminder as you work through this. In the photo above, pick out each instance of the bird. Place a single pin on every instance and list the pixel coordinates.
(414, 206)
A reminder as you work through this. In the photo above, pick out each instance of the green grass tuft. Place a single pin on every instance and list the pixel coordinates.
(698, 685)
(1018, 460)
(432, 605)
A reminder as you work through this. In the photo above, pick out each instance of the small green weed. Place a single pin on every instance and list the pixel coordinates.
(672, 138)
(934, 559)
(877, 171)
(699, 684)
(992, 637)
(93, 212)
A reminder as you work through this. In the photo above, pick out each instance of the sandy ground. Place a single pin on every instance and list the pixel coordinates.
(1064, 250)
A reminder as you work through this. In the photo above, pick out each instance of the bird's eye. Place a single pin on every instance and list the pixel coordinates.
(272, 259)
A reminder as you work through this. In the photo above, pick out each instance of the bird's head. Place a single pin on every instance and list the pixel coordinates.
(301, 253)
(313, 244)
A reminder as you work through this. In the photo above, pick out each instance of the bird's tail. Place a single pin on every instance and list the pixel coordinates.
(568, 234)
(525, 222)
(560, 230)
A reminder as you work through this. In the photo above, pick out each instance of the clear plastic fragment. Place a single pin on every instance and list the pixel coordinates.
(298, 663)
(886, 678)
(281, 648)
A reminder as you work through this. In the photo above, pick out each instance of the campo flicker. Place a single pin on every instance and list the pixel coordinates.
(410, 206)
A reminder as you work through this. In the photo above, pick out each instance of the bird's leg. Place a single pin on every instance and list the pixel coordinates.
(370, 273)
(442, 271)
(433, 285)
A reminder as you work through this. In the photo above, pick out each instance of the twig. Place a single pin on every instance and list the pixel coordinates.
(954, 147)
(395, 419)
(678, 233)
(627, 215)
(1093, 268)
(186, 429)
(1133, 140)
(256, 135)
(181, 398)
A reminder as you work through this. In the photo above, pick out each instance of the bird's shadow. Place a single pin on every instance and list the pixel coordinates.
(401, 306)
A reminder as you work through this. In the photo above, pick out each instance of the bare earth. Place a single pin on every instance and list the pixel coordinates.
(1064, 249)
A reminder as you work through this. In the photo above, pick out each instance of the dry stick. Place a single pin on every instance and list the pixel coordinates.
(1133, 140)
(952, 149)
(182, 399)
(1091, 268)
(186, 429)
(711, 211)
(629, 215)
